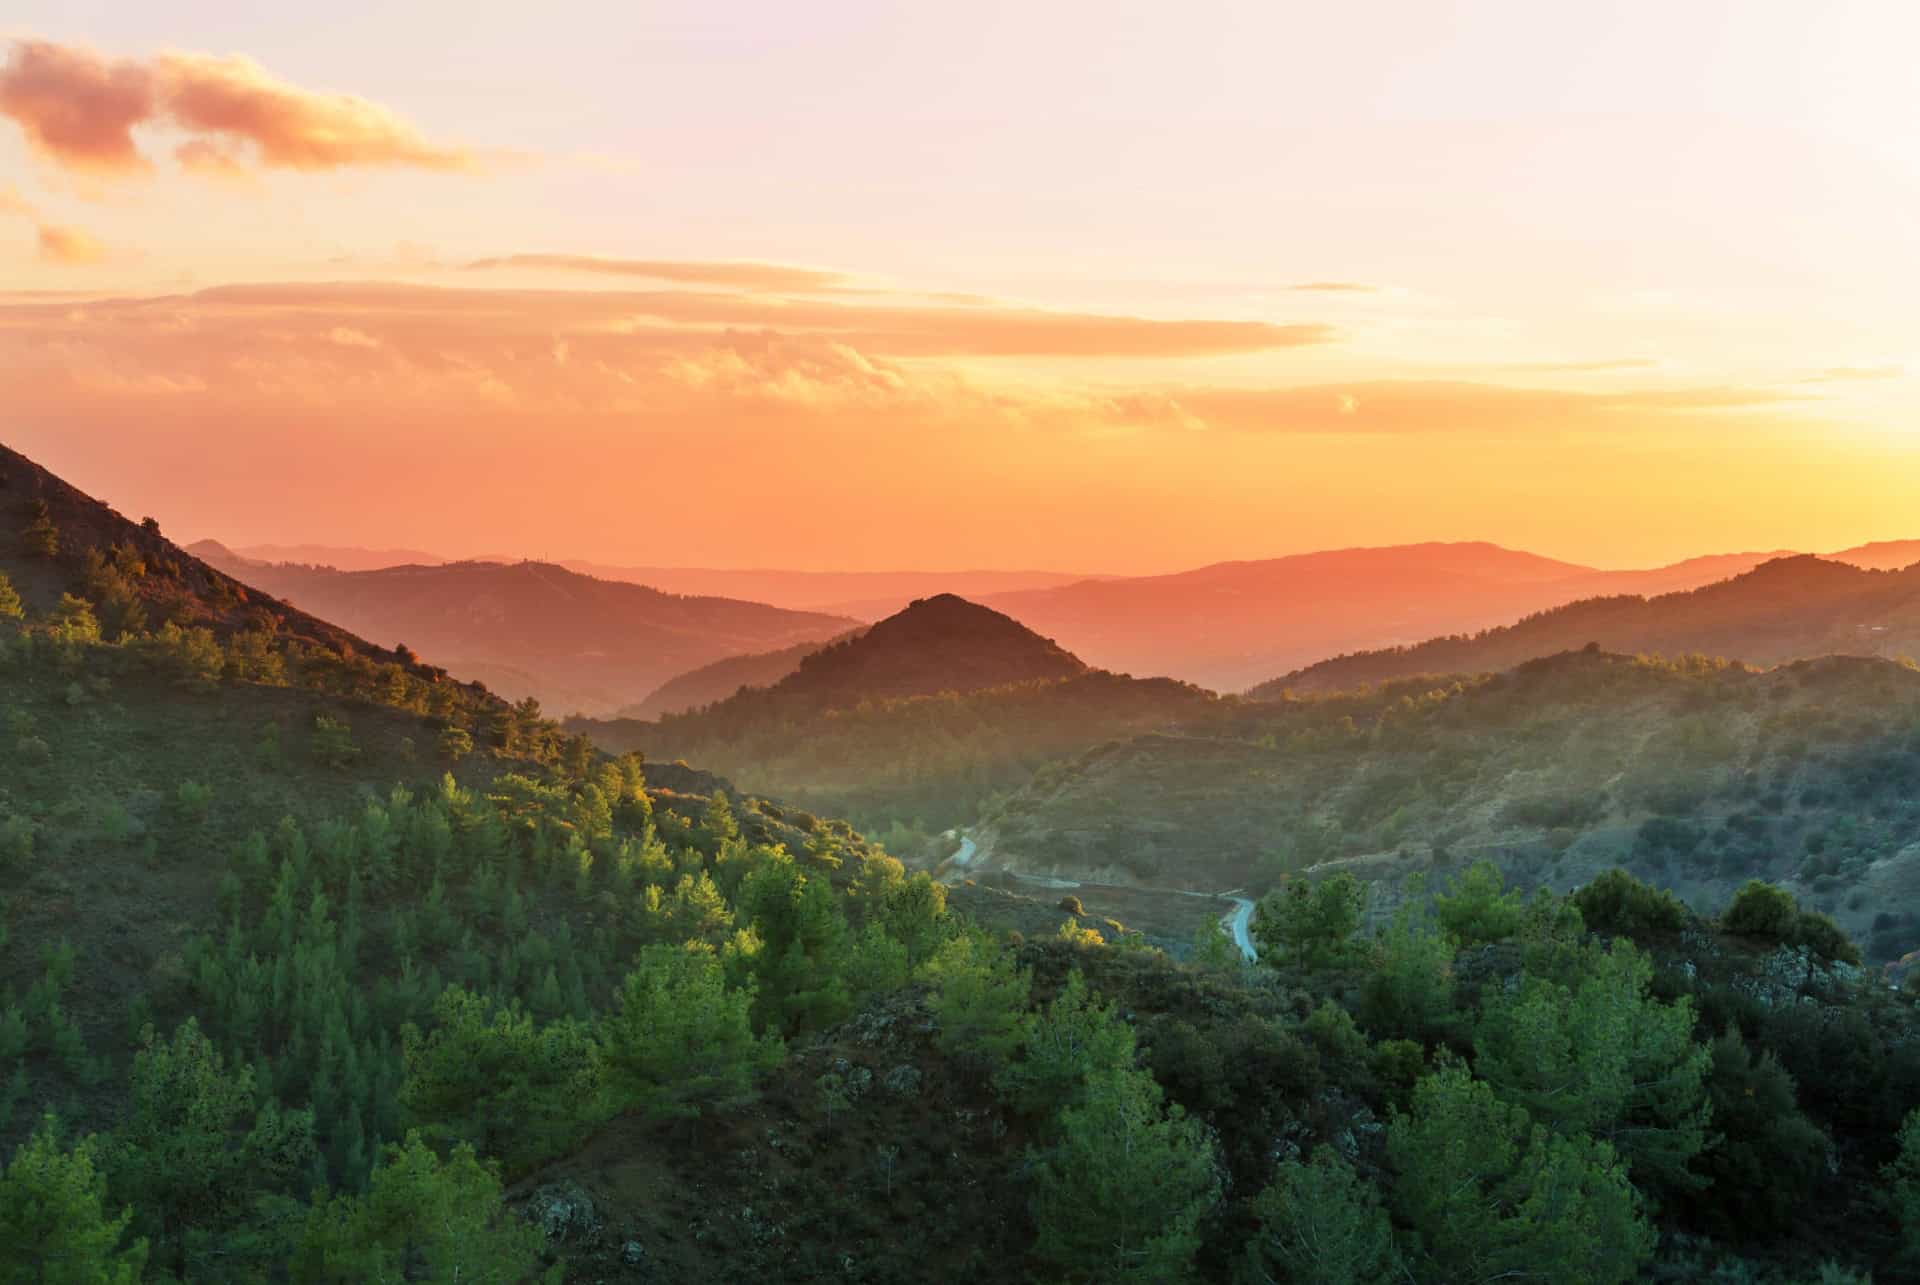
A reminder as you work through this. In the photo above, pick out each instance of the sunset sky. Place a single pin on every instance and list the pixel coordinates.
(1112, 287)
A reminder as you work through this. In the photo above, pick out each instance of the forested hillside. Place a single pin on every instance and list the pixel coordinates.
(318, 966)
(1786, 609)
(1698, 775)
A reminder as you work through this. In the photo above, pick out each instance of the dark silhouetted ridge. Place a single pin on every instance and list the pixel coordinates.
(938, 644)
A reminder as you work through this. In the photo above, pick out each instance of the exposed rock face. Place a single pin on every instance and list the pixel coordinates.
(565, 1212)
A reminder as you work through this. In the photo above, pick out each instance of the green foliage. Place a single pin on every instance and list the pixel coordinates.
(16, 841)
(331, 743)
(1321, 1224)
(1765, 1155)
(1073, 1039)
(11, 608)
(454, 743)
(1615, 904)
(1310, 925)
(1213, 946)
(979, 998)
(191, 799)
(517, 1090)
(681, 1040)
(1476, 908)
(914, 913)
(1903, 1186)
(40, 538)
(197, 1148)
(72, 621)
(1761, 910)
(1491, 1196)
(1409, 991)
(1120, 1196)
(422, 1219)
(1073, 934)
(804, 947)
(1766, 913)
(1603, 1058)
(54, 1226)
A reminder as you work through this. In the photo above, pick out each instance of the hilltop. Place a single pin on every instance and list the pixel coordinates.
(914, 721)
(1785, 609)
(938, 644)
(536, 629)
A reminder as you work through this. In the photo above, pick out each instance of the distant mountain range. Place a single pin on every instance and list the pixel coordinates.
(863, 595)
(1786, 609)
(1237, 623)
(574, 642)
(1226, 626)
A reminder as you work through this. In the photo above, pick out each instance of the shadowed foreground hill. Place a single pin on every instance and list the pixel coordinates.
(919, 718)
(535, 629)
(56, 539)
(1786, 609)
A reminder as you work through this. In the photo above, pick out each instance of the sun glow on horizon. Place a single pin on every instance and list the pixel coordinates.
(974, 285)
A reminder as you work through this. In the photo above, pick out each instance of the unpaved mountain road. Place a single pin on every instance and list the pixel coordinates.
(1236, 921)
(1237, 924)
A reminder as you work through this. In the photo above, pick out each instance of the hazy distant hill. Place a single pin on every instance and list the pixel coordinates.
(339, 557)
(1235, 623)
(920, 717)
(1882, 555)
(1782, 610)
(864, 595)
(721, 679)
(530, 628)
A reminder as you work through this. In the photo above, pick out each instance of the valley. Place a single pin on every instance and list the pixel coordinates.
(347, 934)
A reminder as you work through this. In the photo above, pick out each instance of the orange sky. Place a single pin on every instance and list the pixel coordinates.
(1123, 287)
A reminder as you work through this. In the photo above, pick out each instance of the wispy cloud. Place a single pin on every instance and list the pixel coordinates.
(1468, 409)
(739, 276)
(79, 109)
(894, 328)
(1336, 287)
(441, 355)
(57, 243)
(1843, 374)
(69, 245)
(1576, 367)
